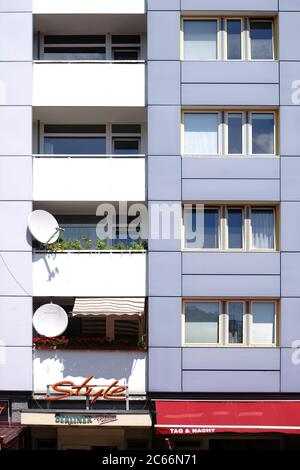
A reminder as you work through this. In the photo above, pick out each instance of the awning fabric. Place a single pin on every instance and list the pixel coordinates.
(183, 417)
(108, 306)
(8, 434)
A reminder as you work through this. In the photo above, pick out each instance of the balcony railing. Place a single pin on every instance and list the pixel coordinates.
(89, 6)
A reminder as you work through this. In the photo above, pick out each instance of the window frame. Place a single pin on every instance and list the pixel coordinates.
(224, 323)
(244, 133)
(251, 154)
(218, 43)
(243, 40)
(220, 132)
(266, 250)
(243, 208)
(272, 21)
(276, 325)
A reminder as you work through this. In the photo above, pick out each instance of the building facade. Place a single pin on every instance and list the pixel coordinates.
(186, 110)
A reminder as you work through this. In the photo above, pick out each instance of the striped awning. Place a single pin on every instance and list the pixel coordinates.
(108, 306)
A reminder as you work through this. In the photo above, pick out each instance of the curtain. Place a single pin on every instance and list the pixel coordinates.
(235, 312)
(263, 322)
(263, 229)
(202, 322)
(200, 39)
(201, 133)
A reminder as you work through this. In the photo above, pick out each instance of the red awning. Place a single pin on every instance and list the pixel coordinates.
(191, 417)
(8, 434)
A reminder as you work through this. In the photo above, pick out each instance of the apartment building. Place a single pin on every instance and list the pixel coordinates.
(185, 110)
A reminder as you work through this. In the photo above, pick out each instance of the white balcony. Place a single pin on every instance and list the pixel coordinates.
(85, 178)
(89, 274)
(89, 6)
(89, 84)
(50, 367)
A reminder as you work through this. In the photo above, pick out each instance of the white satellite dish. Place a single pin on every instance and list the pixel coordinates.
(50, 320)
(43, 227)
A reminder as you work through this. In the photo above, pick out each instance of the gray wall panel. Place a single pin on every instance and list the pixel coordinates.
(289, 83)
(230, 263)
(231, 358)
(164, 130)
(289, 130)
(230, 95)
(15, 273)
(231, 167)
(227, 286)
(15, 130)
(290, 274)
(231, 381)
(16, 311)
(290, 370)
(164, 274)
(164, 178)
(16, 369)
(15, 178)
(290, 226)
(14, 91)
(165, 5)
(290, 179)
(163, 82)
(165, 311)
(289, 5)
(289, 321)
(164, 236)
(163, 35)
(164, 369)
(289, 36)
(229, 5)
(230, 190)
(16, 36)
(14, 217)
(230, 72)
(16, 5)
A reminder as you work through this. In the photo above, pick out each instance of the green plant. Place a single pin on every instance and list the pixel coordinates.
(101, 245)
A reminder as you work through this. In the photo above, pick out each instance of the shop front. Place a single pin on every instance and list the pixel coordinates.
(227, 425)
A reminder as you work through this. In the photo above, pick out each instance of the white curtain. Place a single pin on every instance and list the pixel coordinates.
(201, 133)
(263, 322)
(202, 322)
(263, 229)
(200, 39)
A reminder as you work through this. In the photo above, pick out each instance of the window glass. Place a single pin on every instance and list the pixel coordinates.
(234, 39)
(235, 228)
(200, 39)
(125, 54)
(127, 330)
(72, 47)
(261, 36)
(263, 322)
(201, 228)
(263, 133)
(125, 146)
(201, 133)
(202, 322)
(263, 228)
(235, 133)
(235, 322)
(74, 145)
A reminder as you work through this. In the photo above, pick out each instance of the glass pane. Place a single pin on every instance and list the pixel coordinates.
(211, 228)
(201, 228)
(261, 35)
(202, 322)
(201, 133)
(74, 146)
(120, 54)
(235, 228)
(235, 326)
(200, 39)
(234, 46)
(87, 235)
(235, 133)
(263, 133)
(126, 147)
(263, 322)
(263, 228)
(74, 53)
(127, 331)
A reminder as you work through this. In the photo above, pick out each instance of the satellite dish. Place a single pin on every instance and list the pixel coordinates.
(43, 227)
(50, 320)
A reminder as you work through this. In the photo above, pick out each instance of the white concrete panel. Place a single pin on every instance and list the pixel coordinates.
(16, 368)
(89, 179)
(82, 274)
(16, 311)
(128, 367)
(88, 84)
(89, 6)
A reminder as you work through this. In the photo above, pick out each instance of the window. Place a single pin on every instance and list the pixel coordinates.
(263, 323)
(235, 323)
(72, 47)
(74, 140)
(263, 125)
(261, 38)
(200, 39)
(201, 133)
(126, 139)
(263, 229)
(126, 47)
(228, 39)
(202, 322)
(229, 133)
(234, 39)
(229, 227)
(235, 221)
(202, 228)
